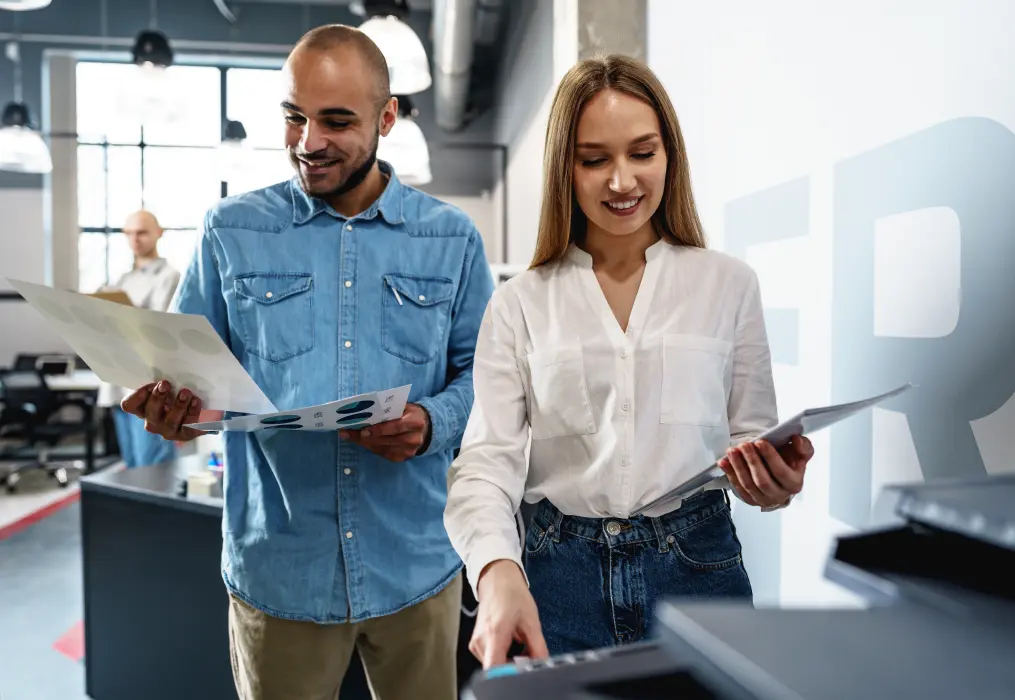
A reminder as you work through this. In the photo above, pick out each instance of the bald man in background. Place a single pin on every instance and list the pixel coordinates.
(150, 284)
(339, 282)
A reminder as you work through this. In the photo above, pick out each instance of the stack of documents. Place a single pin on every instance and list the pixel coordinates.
(808, 421)
(132, 347)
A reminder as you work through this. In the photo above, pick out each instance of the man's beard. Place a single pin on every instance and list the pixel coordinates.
(356, 177)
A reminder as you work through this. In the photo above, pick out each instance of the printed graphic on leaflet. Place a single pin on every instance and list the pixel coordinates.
(351, 413)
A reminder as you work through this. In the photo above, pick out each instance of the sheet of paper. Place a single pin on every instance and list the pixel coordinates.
(807, 421)
(131, 347)
(352, 412)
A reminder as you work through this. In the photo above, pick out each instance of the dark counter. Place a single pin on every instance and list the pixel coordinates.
(156, 609)
(160, 485)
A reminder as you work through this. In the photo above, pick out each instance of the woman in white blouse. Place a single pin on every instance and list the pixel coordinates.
(626, 360)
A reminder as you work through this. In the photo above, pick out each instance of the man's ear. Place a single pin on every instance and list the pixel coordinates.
(388, 115)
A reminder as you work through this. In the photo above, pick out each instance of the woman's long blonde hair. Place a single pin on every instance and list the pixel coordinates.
(561, 220)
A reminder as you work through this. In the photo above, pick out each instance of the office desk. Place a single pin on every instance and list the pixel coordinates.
(83, 385)
(156, 610)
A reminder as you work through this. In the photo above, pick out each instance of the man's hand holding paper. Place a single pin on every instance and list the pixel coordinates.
(396, 440)
(164, 412)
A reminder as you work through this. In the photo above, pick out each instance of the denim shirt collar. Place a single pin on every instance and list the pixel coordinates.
(388, 205)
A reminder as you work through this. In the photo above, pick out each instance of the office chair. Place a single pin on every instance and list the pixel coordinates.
(30, 414)
(25, 363)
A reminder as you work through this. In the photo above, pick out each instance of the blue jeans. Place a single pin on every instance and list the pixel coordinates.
(596, 581)
(138, 447)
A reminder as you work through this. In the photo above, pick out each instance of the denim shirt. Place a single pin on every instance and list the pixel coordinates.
(318, 307)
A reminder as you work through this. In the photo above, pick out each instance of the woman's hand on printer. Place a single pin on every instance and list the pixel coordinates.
(507, 613)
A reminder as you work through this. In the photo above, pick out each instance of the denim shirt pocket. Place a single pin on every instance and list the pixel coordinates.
(276, 313)
(415, 316)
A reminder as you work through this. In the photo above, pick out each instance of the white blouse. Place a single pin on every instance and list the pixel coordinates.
(615, 419)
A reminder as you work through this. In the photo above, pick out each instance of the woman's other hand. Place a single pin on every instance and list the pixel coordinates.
(766, 477)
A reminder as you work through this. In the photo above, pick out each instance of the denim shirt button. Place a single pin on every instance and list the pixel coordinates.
(348, 535)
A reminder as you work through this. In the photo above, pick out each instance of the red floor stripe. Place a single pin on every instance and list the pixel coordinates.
(34, 517)
(72, 643)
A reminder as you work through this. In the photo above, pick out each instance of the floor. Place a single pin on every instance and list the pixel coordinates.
(37, 495)
(41, 605)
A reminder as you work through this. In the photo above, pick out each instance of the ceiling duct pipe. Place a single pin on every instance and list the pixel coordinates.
(452, 57)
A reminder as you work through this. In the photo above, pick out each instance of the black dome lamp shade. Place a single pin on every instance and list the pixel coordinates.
(16, 114)
(151, 48)
(406, 108)
(234, 131)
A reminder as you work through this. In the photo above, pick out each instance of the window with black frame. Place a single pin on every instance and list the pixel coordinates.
(171, 167)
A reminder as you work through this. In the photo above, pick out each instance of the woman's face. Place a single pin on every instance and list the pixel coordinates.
(620, 163)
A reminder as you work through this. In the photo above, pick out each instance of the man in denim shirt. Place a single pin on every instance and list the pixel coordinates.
(340, 282)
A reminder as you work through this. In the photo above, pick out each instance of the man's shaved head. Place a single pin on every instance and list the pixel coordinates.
(142, 219)
(143, 232)
(337, 104)
(330, 37)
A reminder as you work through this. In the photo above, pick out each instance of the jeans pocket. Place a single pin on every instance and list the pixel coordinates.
(536, 538)
(275, 313)
(710, 544)
(414, 316)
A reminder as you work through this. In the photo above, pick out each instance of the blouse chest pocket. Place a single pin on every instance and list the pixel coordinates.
(694, 380)
(559, 402)
(415, 316)
(276, 313)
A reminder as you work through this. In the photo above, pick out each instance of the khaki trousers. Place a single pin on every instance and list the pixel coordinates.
(408, 655)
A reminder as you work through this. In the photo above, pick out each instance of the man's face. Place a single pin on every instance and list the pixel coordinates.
(333, 120)
(143, 234)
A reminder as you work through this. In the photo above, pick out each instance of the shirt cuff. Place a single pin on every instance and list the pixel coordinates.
(486, 552)
(778, 506)
(442, 424)
(723, 482)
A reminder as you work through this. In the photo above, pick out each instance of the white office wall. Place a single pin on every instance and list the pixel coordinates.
(545, 46)
(486, 213)
(22, 256)
(860, 155)
(22, 244)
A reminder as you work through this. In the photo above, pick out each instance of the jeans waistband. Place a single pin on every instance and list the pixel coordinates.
(620, 531)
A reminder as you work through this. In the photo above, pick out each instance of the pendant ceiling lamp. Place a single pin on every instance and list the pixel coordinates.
(234, 151)
(408, 66)
(22, 149)
(150, 95)
(24, 5)
(405, 147)
(152, 49)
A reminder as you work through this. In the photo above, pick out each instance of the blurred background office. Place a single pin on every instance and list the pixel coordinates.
(858, 155)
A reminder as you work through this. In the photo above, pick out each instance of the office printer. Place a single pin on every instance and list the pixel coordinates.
(935, 572)
(937, 575)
